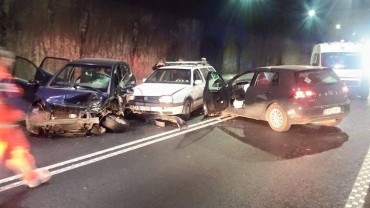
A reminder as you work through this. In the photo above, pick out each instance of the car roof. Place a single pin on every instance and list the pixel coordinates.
(294, 67)
(96, 61)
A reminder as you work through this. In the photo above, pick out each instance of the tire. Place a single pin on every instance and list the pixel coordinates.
(128, 114)
(115, 123)
(277, 118)
(186, 111)
(332, 122)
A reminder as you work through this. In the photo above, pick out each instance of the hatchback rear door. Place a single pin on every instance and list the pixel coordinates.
(319, 87)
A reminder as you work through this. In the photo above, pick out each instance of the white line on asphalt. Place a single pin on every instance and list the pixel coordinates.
(5, 180)
(74, 166)
(361, 186)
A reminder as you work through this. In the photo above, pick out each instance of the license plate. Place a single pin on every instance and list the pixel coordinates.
(331, 111)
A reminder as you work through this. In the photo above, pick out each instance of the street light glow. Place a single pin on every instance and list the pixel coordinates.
(311, 13)
(338, 26)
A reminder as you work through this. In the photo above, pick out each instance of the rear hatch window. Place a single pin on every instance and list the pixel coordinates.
(316, 77)
(323, 86)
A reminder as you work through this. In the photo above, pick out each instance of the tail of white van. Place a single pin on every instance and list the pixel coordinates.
(348, 62)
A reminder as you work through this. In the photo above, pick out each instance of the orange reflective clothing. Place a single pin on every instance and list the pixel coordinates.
(14, 146)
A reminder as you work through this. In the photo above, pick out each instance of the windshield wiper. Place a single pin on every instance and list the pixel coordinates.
(86, 87)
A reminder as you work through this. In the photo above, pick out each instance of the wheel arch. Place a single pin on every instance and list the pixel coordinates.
(38, 101)
(189, 98)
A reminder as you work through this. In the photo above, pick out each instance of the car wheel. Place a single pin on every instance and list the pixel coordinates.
(277, 118)
(115, 123)
(332, 122)
(186, 110)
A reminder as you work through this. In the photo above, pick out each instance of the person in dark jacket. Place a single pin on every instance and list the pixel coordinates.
(159, 64)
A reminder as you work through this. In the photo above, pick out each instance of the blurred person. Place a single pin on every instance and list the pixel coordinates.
(14, 146)
(159, 64)
(203, 61)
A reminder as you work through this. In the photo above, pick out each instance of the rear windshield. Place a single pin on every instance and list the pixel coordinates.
(316, 77)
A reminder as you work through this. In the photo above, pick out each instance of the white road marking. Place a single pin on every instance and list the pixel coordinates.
(171, 133)
(5, 180)
(361, 186)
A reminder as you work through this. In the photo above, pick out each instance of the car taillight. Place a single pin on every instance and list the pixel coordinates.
(345, 89)
(303, 93)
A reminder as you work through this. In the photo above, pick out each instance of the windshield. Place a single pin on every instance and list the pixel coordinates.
(342, 60)
(176, 76)
(90, 77)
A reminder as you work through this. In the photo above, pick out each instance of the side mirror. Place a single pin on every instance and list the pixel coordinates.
(144, 80)
(198, 82)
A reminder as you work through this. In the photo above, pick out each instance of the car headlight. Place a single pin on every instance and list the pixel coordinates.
(130, 97)
(166, 99)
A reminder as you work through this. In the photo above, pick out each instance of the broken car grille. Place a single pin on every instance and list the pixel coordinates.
(147, 99)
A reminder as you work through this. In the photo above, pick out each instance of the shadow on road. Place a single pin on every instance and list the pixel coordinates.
(299, 141)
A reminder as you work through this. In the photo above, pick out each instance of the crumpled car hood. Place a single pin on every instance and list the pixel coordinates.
(71, 98)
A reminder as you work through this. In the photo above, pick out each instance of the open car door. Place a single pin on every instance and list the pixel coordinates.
(48, 67)
(30, 77)
(216, 96)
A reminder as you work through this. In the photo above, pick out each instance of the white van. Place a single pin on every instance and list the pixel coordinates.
(346, 59)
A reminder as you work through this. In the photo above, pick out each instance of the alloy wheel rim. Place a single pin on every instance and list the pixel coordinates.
(276, 118)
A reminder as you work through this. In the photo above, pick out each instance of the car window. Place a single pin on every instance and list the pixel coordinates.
(168, 75)
(316, 77)
(124, 74)
(24, 69)
(315, 59)
(204, 72)
(275, 79)
(197, 75)
(264, 78)
(342, 60)
(97, 77)
(245, 78)
(52, 65)
(215, 82)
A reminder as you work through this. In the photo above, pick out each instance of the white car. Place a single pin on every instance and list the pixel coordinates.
(175, 89)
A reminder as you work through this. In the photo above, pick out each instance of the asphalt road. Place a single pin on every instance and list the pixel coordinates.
(233, 163)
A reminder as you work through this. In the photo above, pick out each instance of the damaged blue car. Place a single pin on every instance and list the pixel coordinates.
(86, 96)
